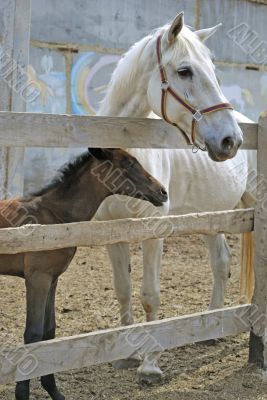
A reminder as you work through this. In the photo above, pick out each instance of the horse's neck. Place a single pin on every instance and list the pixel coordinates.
(78, 203)
(131, 102)
(127, 93)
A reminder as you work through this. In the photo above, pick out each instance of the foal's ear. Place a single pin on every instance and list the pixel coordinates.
(99, 153)
(176, 27)
(204, 34)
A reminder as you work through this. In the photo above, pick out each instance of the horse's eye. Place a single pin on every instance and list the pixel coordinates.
(185, 72)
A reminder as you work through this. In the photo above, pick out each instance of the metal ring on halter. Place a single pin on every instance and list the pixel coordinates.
(196, 147)
(164, 85)
(198, 115)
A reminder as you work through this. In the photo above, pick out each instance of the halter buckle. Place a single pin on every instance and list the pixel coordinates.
(164, 85)
(197, 116)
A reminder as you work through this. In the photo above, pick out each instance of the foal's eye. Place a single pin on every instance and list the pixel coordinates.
(185, 72)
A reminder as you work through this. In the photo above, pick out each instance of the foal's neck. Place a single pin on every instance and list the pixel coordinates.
(79, 201)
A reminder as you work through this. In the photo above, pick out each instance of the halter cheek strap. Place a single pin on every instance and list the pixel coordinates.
(197, 115)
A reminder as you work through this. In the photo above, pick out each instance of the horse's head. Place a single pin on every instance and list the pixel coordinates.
(184, 90)
(121, 173)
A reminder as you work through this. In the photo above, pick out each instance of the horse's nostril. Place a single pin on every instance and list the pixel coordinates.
(228, 143)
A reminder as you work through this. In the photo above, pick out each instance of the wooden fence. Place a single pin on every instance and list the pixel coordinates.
(19, 130)
(97, 347)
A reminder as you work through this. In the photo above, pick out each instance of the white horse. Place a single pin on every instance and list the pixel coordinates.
(195, 183)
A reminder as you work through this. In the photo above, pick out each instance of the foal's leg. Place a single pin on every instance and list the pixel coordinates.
(149, 371)
(120, 259)
(37, 288)
(220, 258)
(48, 381)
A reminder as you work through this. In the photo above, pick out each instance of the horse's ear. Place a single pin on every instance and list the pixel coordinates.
(176, 27)
(204, 34)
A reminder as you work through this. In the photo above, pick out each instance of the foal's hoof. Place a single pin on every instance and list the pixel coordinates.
(49, 384)
(128, 363)
(58, 396)
(147, 377)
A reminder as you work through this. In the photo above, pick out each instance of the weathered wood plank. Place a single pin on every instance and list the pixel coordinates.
(48, 237)
(94, 348)
(247, 256)
(48, 130)
(247, 268)
(258, 349)
(13, 77)
(250, 131)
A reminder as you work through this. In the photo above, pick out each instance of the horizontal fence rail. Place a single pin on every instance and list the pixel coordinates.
(49, 237)
(63, 354)
(50, 130)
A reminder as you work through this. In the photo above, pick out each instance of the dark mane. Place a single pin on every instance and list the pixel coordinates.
(65, 175)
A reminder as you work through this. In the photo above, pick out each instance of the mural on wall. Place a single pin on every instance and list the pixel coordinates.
(51, 85)
(90, 75)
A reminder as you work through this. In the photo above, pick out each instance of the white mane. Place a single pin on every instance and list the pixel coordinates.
(124, 75)
(123, 84)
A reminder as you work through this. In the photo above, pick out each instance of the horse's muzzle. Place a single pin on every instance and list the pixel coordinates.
(225, 149)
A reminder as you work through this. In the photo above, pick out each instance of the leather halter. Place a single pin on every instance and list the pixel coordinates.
(197, 115)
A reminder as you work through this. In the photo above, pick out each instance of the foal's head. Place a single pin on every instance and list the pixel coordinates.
(121, 173)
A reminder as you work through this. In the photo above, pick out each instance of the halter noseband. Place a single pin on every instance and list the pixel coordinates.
(197, 115)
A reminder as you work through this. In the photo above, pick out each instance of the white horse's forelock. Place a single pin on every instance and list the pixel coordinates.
(187, 43)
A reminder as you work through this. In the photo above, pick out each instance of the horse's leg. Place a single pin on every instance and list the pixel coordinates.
(48, 382)
(120, 259)
(220, 258)
(37, 288)
(149, 371)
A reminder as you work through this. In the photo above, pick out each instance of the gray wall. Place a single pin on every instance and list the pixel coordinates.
(119, 23)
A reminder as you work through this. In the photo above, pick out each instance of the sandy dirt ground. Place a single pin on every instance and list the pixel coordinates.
(86, 302)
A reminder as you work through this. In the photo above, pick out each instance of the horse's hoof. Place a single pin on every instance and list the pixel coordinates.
(128, 363)
(149, 377)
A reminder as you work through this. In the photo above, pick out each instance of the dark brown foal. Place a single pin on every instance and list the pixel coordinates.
(74, 195)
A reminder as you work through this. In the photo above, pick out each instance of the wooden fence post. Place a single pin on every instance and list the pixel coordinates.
(13, 77)
(257, 345)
